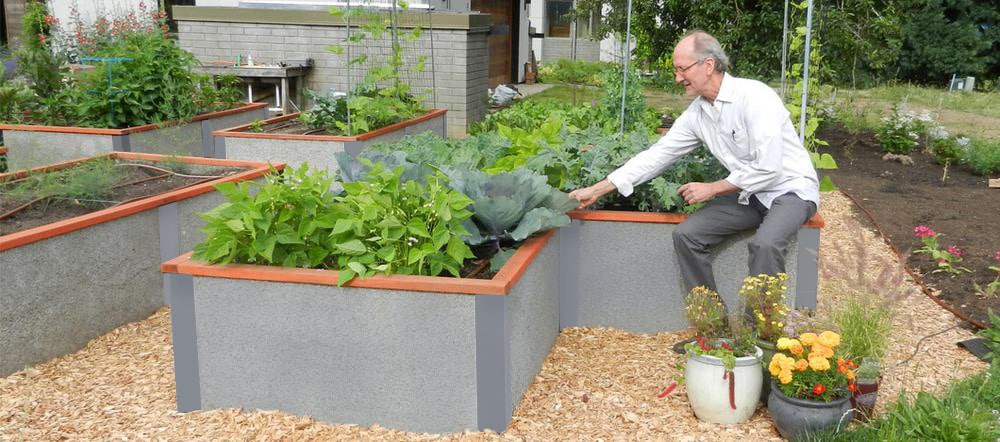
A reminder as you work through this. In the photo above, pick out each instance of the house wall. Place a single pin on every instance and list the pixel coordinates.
(92, 9)
(460, 61)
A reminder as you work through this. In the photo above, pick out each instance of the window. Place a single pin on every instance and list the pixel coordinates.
(557, 12)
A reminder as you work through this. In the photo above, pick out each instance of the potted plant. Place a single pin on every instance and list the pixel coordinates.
(722, 371)
(140, 97)
(379, 108)
(811, 385)
(764, 298)
(867, 289)
(80, 243)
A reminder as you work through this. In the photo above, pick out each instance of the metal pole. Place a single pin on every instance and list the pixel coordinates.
(627, 55)
(395, 50)
(430, 36)
(784, 51)
(350, 86)
(805, 75)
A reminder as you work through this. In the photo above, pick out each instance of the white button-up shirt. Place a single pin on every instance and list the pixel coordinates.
(748, 130)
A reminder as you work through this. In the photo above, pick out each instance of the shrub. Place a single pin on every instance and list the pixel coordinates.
(574, 72)
(983, 156)
(899, 131)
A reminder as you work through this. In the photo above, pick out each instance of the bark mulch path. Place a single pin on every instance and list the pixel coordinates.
(595, 384)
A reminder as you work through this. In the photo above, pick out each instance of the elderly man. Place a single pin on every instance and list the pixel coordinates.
(771, 186)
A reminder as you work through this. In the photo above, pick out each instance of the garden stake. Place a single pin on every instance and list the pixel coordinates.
(110, 61)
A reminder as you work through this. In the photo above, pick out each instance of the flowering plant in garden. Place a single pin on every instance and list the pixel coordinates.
(717, 335)
(82, 38)
(993, 288)
(765, 296)
(899, 131)
(810, 367)
(948, 260)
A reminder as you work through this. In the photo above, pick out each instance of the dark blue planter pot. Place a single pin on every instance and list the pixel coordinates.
(797, 418)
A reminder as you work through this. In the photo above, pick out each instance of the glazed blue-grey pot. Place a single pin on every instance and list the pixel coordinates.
(797, 418)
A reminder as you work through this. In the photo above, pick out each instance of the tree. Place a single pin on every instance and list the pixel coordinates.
(946, 37)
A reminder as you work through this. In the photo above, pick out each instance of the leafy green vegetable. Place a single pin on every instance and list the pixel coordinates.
(511, 205)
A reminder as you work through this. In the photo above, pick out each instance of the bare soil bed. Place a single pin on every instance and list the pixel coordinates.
(958, 205)
(140, 180)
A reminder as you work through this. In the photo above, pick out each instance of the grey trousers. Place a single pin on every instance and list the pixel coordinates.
(725, 216)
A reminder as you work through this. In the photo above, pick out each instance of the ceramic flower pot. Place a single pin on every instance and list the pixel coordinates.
(719, 396)
(769, 350)
(796, 419)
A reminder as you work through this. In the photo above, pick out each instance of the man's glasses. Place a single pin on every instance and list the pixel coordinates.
(684, 69)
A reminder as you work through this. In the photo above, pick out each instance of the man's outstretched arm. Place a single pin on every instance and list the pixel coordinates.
(589, 195)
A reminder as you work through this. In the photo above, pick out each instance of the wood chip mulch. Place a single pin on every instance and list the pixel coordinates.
(595, 384)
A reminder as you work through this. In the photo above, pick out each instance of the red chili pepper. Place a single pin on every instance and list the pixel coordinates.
(819, 389)
(670, 388)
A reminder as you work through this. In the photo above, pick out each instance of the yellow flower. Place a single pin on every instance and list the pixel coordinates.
(850, 375)
(801, 365)
(784, 343)
(796, 348)
(829, 339)
(819, 364)
(807, 338)
(785, 377)
(774, 367)
(821, 351)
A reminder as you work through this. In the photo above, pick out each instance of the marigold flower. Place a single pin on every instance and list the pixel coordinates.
(821, 351)
(783, 343)
(849, 375)
(801, 365)
(785, 377)
(819, 389)
(796, 348)
(829, 339)
(852, 387)
(807, 338)
(774, 367)
(819, 364)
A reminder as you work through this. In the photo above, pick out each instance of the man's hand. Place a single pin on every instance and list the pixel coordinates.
(589, 195)
(695, 193)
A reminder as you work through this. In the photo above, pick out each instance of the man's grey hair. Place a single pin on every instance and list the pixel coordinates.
(706, 46)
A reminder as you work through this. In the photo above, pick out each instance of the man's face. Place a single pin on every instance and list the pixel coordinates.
(689, 71)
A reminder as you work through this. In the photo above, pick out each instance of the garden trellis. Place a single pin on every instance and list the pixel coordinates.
(626, 55)
(386, 47)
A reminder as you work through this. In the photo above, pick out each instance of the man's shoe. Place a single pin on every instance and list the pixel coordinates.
(679, 347)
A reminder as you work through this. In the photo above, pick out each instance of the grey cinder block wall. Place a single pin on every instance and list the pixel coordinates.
(460, 62)
(554, 48)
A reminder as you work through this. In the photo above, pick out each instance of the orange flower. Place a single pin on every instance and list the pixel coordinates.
(796, 349)
(801, 365)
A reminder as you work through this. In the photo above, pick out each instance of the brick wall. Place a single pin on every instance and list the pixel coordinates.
(554, 48)
(460, 63)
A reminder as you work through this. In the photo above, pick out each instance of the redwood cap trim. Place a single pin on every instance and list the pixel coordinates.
(17, 239)
(501, 284)
(816, 222)
(242, 130)
(132, 129)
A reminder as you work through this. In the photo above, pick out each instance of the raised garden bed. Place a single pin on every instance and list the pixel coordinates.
(34, 145)
(619, 270)
(68, 281)
(421, 353)
(284, 139)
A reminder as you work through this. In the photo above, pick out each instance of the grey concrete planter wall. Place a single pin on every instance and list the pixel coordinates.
(240, 143)
(619, 270)
(35, 146)
(68, 282)
(412, 352)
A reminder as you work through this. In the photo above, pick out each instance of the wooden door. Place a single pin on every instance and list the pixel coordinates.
(501, 39)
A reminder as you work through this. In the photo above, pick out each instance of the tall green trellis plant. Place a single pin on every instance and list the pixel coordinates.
(805, 76)
(381, 96)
